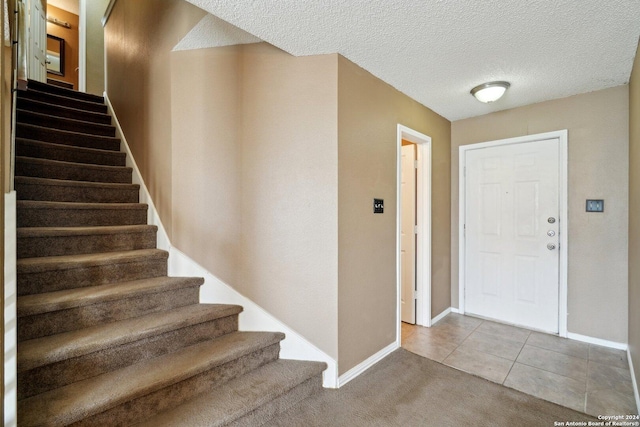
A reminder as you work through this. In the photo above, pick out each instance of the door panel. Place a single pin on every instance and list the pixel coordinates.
(510, 274)
(408, 238)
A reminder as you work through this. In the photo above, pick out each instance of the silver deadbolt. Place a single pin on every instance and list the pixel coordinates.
(551, 246)
(551, 233)
(551, 220)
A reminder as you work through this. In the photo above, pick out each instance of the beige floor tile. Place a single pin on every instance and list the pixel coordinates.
(407, 330)
(452, 333)
(511, 333)
(610, 402)
(492, 344)
(461, 320)
(550, 361)
(608, 356)
(548, 386)
(429, 347)
(603, 376)
(559, 345)
(488, 366)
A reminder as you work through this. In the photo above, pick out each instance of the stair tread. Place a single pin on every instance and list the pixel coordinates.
(54, 348)
(70, 147)
(51, 263)
(82, 231)
(56, 99)
(72, 164)
(43, 204)
(239, 396)
(69, 132)
(65, 108)
(57, 182)
(88, 397)
(29, 305)
(78, 122)
(64, 92)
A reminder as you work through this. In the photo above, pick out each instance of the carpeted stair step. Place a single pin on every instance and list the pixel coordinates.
(56, 241)
(55, 169)
(64, 214)
(67, 153)
(49, 121)
(49, 274)
(57, 360)
(57, 136)
(51, 313)
(62, 101)
(68, 93)
(137, 392)
(55, 190)
(60, 111)
(249, 400)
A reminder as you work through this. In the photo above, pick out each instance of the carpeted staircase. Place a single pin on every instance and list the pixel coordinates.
(105, 337)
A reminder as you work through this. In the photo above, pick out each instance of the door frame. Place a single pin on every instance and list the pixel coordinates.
(563, 162)
(423, 218)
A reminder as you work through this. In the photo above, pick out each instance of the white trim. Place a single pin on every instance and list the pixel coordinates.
(82, 47)
(597, 341)
(10, 316)
(423, 246)
(454, 310)
(441, 316)
(253, 317)
(107, 12)
(636, 394)
(563, 160)
(366, 364)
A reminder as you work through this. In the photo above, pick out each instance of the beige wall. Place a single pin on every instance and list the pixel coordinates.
(71, 43)
(139, 84)
(369, 111)
(598, 168)
(95, 46)
(634, 216)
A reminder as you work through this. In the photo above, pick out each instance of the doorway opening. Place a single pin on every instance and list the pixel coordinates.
(513, 239)
(421, 298)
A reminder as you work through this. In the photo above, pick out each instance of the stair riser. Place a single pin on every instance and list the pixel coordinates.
(279, 405)
(146, 406)
(63, 101)
(72, 172)
(69, 193)
(57, 280)
(61, 137)
(65, 153)
(74, 94)
(46, 324)
(31, 247)
(68, 371)
(33, 217)
(56, 110)
(65, 124)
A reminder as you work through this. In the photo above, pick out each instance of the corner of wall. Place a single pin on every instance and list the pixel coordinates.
(10, 302)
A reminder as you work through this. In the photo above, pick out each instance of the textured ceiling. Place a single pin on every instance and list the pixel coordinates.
(435, 51)
(212, 31)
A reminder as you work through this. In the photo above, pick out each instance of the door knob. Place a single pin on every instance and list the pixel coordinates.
(551, 246)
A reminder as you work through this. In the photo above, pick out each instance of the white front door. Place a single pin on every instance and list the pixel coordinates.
(512, 228)
(37, 41)
(408, 243)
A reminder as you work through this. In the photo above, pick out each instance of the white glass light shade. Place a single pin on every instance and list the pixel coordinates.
(489, 92)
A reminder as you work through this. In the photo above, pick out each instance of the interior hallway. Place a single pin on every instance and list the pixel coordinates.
(580, 376)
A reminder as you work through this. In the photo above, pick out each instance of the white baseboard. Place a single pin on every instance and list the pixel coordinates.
(636, 393)
(597, 341)
(366, 364)
(253, 317)
(10, 318)
(455, 310)
(441, 316)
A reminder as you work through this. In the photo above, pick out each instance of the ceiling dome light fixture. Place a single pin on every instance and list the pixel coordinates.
(489, 92)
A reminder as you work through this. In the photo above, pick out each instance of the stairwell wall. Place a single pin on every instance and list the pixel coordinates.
(139, 37)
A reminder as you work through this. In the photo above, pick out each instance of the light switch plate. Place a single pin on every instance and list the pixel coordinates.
(595, 205)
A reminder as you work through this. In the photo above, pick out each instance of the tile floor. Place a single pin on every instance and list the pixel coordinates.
(584, 377)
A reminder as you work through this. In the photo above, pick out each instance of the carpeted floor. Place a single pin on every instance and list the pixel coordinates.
(407, 390)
